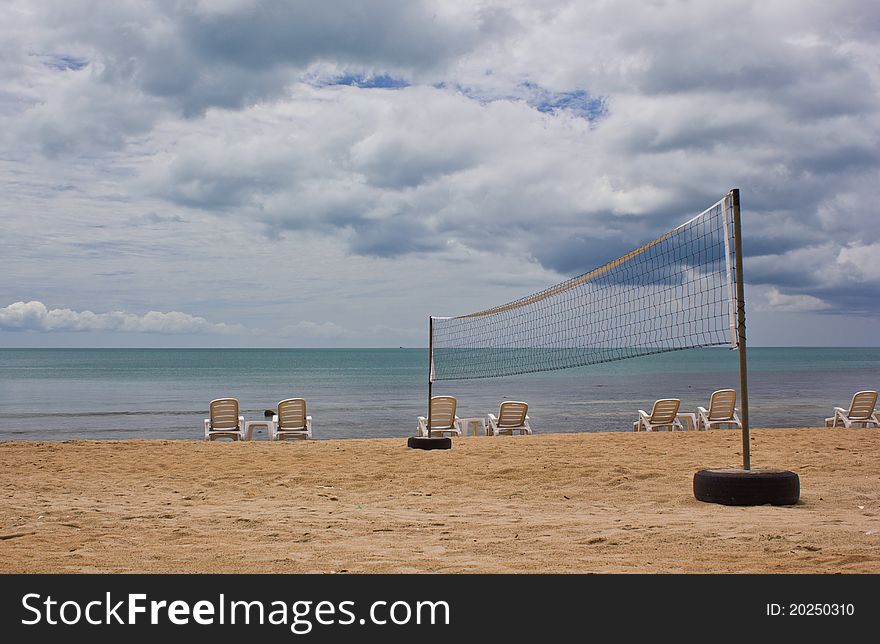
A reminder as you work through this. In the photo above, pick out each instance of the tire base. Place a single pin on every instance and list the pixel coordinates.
(425, 442)
(747, 487)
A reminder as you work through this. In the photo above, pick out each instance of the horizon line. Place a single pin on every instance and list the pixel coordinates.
(753, 346)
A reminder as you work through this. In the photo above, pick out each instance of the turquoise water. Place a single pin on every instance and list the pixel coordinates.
(359, 393)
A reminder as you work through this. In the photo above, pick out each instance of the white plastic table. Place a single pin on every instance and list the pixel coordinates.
(691, 420)
(468, 424)
(250, 425)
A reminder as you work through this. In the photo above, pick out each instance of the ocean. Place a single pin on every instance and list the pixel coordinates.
(61, 394)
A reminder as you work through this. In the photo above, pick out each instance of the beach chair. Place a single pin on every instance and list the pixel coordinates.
(512, 417)
(722, 411)
(860, 413)
(291, 420)
(443, 418)
(224, 421)
(663, 414)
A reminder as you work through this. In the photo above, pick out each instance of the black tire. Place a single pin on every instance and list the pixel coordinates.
(747, 487)
(434, 442)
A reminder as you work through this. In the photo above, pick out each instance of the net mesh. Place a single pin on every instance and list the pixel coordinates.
(675, 292)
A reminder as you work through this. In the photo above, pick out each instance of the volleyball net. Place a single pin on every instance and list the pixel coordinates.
(675, 292)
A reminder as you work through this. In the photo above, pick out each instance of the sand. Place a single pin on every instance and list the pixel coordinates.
(613, 502)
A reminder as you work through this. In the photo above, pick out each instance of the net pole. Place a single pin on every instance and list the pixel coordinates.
(430, 368)
(741, 328)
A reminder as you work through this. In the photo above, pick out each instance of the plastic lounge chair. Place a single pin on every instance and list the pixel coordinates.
(224, 421)
(663, 414)
(443, 418)
(722, 411)
(512, 417)
(860, 413)
(291, 420)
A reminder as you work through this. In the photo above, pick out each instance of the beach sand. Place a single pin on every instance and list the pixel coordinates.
(611, 502)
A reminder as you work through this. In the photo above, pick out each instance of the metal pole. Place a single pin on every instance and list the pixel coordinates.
(741, 328)
(430, 368)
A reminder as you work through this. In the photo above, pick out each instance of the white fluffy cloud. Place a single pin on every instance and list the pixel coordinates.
(862, 262)
(769, 298)
(36, 316)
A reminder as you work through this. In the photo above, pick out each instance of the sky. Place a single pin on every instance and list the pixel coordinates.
(293, 173)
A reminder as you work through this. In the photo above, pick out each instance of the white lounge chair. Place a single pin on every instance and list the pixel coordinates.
(443, 418)
(224, 421)
(291, 420)
(512, 417)
(663, 414)
(860, 413)
(722, 411)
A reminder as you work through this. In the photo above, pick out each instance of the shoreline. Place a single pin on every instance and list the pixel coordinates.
(578, 502)
(261, 437)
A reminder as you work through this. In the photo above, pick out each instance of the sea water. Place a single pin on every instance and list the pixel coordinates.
(363, 393)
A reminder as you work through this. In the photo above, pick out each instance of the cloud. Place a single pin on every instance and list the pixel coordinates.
(772, 299)
(263, 137)
(862, 262)
(78, 115)
(196, 55)
(320, 330)
(154, 219)
(575, 168)
(36, 316)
